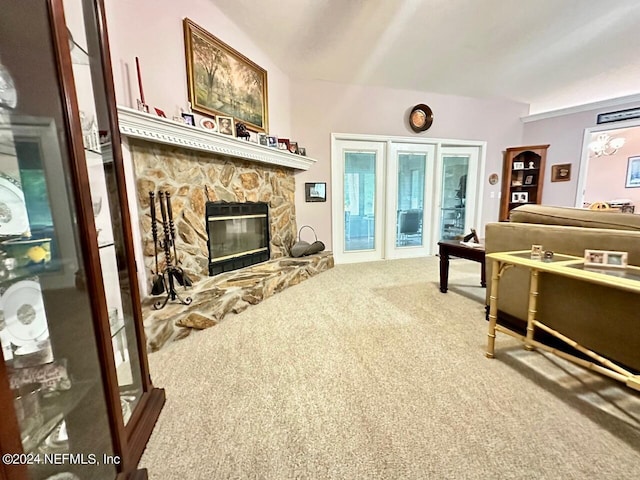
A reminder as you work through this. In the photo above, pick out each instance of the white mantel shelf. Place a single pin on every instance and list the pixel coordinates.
(136, 124)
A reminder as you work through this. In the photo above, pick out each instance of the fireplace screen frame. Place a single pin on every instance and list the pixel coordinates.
(237, 209)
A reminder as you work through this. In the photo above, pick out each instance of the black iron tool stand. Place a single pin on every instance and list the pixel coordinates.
(170, 271)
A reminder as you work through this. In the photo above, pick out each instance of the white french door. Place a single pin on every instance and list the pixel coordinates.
(398, 198)
(358, 201)
(456, 192)
(409, 199)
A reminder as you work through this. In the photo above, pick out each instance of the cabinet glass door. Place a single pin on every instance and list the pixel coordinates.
(90, 88)
(48, 329)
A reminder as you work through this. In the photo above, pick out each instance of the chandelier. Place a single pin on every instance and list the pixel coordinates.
(605, 145)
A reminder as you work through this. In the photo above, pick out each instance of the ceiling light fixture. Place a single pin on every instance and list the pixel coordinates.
(605, 145)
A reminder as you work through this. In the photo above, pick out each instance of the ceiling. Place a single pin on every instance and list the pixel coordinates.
(548, 53)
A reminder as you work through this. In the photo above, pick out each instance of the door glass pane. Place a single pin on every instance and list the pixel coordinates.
(454, 194)
(90, 88)
(359, 200)
(46, 321)
(411, 175)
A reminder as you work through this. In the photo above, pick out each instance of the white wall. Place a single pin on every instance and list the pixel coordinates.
(320, 108)
(152, 30)
(565, 134)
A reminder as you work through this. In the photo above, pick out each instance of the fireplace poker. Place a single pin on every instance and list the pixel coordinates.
(157, 283)
(169, 269)
(182, 278)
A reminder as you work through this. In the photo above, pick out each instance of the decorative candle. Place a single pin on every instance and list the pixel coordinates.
(139, 80)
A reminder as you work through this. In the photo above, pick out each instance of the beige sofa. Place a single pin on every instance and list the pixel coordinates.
(603, 319)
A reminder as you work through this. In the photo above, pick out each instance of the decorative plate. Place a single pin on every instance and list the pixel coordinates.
(420, 118)
(13, 209)
(209, 124)
(24, 313)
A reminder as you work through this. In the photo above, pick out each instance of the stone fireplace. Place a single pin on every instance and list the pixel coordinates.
(206, 173)
(185, 174)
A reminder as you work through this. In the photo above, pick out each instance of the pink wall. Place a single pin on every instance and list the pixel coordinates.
(607, 175)
(152, 30)
(306, 111)
(322, 108)
(565, 135)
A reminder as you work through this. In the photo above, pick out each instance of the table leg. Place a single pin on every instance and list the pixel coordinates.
(444, 270)
(493, 308)
(483, 275)
(532, 308)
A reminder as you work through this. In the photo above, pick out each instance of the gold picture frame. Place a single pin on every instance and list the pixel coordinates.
(561, 172)
(222, 81)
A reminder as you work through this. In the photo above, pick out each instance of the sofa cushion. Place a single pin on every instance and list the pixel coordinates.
(574, 217)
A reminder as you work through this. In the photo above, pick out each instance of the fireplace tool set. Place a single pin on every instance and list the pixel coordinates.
(166, 280)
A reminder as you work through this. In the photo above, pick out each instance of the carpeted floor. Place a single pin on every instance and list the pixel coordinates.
(368, 372)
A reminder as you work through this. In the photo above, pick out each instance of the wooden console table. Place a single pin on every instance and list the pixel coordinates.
(569, 266)
(453, 248)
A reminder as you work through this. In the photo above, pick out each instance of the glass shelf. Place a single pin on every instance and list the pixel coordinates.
(54, 407)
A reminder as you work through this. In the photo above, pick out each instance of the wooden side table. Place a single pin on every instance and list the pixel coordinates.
(453, 248)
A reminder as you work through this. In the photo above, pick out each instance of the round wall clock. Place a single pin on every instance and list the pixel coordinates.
(420, 118)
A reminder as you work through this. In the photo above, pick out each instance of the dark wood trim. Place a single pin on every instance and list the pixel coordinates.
(122, 192)
(140, 425)
(85, 219)
(10, 430)
(141, 474)
(142, 429)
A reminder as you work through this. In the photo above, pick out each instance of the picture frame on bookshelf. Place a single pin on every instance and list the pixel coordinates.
(518, 165)
(528, 180)
(519, 197)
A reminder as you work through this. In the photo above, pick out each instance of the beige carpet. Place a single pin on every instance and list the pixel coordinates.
(369, 372)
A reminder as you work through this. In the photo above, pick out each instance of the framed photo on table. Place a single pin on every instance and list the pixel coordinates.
(605, 258)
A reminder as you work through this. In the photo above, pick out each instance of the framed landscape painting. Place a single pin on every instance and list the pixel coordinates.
(222, 81)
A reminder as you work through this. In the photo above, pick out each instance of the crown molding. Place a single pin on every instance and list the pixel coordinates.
(136, 124)
(610, 103)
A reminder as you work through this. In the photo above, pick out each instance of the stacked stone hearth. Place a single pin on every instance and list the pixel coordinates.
(193, 178)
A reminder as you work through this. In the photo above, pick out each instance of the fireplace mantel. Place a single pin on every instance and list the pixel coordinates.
(136, 124)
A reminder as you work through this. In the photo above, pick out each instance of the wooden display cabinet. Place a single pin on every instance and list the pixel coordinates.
(522, 177)
(75, 391)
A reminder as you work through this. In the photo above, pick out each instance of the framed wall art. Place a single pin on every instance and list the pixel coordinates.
(561, 172)
(222, 81)
(633, 173)
(315, 192)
